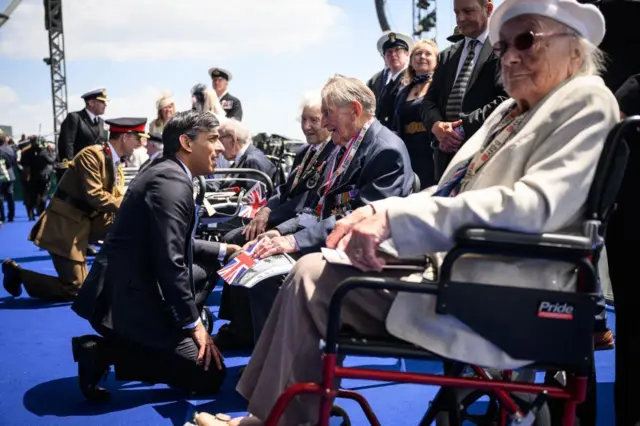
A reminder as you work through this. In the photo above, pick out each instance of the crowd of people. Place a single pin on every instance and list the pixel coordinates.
(502, 129)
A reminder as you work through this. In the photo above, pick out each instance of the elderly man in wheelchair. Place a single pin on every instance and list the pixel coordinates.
(518, 291)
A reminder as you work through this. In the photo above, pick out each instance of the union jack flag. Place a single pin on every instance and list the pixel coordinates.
(235, 269)
(255, 201)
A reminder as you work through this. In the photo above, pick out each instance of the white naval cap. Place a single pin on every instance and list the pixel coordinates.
(392, 39)
(586, 19)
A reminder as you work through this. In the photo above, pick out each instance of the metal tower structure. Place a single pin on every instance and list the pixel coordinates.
(424, 19)
(56, 62)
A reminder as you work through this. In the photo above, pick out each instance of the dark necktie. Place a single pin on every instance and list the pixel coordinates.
(454, 104)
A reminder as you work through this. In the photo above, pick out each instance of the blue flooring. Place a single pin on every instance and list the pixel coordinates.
(38, 378)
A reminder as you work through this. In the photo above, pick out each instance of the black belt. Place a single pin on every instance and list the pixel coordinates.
(78, 204)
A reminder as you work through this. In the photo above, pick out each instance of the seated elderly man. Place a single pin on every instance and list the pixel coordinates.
(299, 191)
(371, 163)
(528, 168)
(238, 147)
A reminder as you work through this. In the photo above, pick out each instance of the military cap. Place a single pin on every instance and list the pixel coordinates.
(220, 72)
(99, 94)
(128, 125)
(456, 36)
(391, 39)
(155, 137)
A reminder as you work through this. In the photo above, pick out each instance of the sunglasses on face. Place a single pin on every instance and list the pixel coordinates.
(522, 42)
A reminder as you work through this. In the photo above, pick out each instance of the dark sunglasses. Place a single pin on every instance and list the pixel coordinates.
(522, 42)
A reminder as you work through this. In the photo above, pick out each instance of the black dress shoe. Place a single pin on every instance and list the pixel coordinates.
(93, 366)
(228, 339)
(11, 277)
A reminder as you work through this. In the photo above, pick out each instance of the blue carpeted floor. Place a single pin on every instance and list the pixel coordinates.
(38, 376)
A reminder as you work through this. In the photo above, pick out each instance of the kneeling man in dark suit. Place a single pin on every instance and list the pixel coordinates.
(140, 295)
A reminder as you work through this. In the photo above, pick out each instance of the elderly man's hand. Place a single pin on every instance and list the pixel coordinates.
(272, 246)
(343, 226)
(363, 241)
(449, 140)
(258, 225)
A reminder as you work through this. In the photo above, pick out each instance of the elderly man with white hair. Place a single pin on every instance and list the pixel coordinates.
(238, 148)
(529, 168)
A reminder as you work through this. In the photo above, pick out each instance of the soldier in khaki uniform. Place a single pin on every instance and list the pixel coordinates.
(80, 212)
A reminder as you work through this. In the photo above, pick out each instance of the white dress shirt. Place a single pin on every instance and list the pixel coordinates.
(221, 254)
(482, 38)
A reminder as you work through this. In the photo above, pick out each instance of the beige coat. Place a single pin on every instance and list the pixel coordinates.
(65, 230)
(538, 182)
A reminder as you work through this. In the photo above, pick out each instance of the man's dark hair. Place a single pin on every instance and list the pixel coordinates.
(188, 123)
(3, 139)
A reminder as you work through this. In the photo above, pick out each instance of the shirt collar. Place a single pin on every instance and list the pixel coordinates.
(395, 76)
(186, 169)
(223, 95)
(114, 155)
(482, 38)
(240, 153)
(92, 116)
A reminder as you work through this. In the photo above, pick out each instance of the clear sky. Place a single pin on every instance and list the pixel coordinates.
(276, 50)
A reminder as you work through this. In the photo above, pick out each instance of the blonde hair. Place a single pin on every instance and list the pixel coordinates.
(410, 72)
(164, 100)
(343, 91)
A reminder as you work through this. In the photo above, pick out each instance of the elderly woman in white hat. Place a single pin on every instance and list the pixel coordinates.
(529, 168)
(166, 107)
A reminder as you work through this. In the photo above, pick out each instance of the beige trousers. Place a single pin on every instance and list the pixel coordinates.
(287, 351)
(64, 287)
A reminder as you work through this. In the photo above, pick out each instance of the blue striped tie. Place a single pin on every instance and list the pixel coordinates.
(452, 186)
(454, 105)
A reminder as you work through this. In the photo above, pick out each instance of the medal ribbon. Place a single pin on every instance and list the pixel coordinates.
(334, 173)
(509, 126)
(300, 171)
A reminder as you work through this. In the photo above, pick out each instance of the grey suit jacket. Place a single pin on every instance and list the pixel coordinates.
(538, 182)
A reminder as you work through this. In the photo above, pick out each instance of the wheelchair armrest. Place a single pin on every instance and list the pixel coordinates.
(489, 237)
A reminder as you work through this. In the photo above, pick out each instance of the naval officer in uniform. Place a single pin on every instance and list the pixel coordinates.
(82, 128)
(394, 48)
(80, 212)
(220, 79)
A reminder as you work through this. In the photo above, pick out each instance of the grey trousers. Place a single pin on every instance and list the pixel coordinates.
(287, 351)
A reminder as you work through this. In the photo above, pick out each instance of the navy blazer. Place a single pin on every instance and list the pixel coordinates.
(285, 204)
(139, 286)
(380, 169)
(78, 131)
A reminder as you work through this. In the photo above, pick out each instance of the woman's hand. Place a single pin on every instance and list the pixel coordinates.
(344, 226)
(363, 241)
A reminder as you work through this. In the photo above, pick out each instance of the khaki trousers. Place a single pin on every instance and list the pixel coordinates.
(287, 351)
(63, 288)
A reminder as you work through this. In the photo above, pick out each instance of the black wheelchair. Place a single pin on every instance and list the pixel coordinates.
(554, 328)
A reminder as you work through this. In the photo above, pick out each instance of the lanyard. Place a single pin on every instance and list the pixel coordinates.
(506, 129)
(334, 173)
(302, 169)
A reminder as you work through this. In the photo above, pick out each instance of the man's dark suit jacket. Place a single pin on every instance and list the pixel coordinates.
(252, 158)
(380, 169)
(484, 92)
(286, 203)
(139, 287)
(385, 98)
(232, 106)
(78, 131)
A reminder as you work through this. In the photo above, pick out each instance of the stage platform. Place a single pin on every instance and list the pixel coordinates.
(38, 378)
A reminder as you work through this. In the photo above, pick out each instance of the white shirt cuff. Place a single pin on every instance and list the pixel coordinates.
(223, 252)
(192, 325)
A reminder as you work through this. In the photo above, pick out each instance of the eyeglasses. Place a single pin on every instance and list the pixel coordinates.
(522, 42)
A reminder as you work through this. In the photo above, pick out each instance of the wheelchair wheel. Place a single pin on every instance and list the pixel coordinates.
(489, 416)
(207, 319)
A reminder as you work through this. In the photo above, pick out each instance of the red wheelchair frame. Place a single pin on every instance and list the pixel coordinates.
(564, 345)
